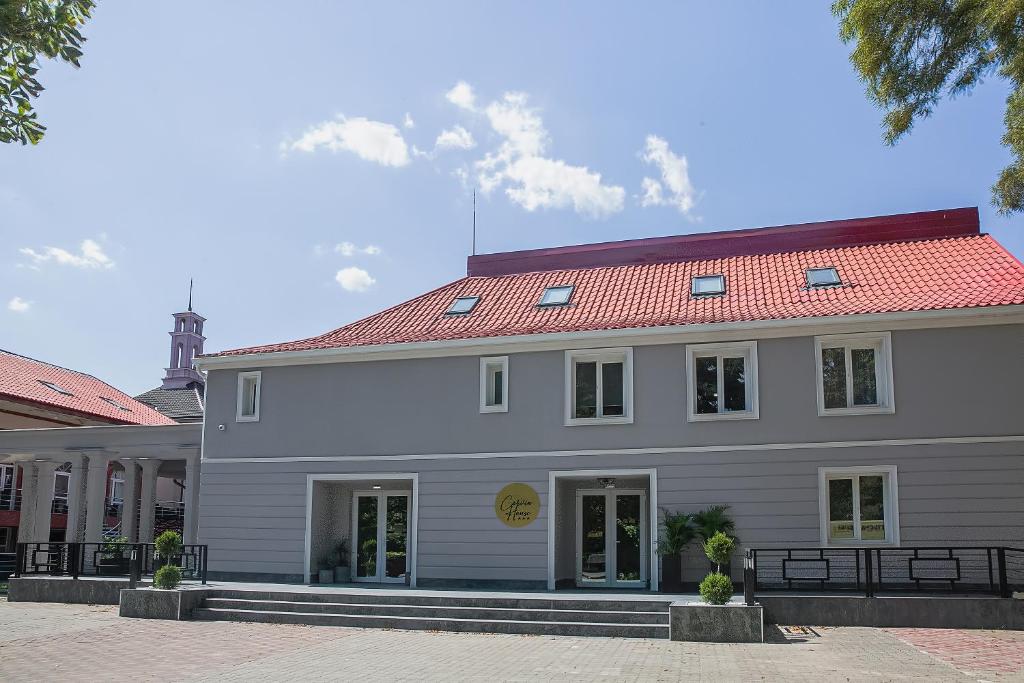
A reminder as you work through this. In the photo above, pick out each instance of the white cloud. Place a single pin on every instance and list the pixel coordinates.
(407, 122)
(536, 181)
(675, 177)
(18, 305)
(455, 138)
(370, 140)
(461, 95)
(349, 249)
(91, 256)
(354, 279)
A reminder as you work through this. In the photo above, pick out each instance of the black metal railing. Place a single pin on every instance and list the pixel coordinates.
(996, 570)
(76, 560)
(6, 566)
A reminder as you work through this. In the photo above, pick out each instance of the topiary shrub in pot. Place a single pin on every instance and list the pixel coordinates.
(168, 577)
(678, 530)
(716, 588)
(342, 573)
(328, 562)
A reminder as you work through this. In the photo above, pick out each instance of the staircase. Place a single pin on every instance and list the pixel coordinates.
(577, 615)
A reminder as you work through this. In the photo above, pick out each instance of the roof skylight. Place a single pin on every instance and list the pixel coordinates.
(116, 404)
(462, 305)
(556, 296)
(56, 387)
(823, 277)
(707, 285)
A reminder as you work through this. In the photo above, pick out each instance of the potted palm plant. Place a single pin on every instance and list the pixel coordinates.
(325, 573)
(713, 520)
(678, 530)
(342, 572)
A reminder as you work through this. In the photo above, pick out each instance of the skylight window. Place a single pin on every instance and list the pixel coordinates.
(823, 277)
(462, 305)
(116, 404)
(56, 387)
(707, 285)
(556, 296)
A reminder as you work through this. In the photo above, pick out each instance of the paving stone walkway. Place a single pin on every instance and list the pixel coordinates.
(40, 642)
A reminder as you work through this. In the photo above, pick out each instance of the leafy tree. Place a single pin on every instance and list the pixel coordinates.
(913, 54)
(30, 29)
(712, 520)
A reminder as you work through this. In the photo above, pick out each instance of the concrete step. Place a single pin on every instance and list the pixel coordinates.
(554, 628)
(343, 606)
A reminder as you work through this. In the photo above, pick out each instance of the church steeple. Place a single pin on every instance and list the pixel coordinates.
(186, 343)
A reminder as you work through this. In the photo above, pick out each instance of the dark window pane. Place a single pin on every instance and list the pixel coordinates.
(366, 536)
(593, 560)
(865, 391)
(734, 384)
(395, 536)
(833, 377)
(497, 388)
(586, 390)
(840, 508)
(707, 384)
(872, 509)
(628, 552)
(611, 389)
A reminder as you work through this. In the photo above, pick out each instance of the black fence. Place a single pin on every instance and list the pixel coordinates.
(76, 560)
(995, 570)
(6, 566)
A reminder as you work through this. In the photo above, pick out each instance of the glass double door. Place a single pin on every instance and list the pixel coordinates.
(380, 547)
(611, 534)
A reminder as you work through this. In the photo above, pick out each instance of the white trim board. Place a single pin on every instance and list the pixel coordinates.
(667, 334)
(625, 451)
(365, 476)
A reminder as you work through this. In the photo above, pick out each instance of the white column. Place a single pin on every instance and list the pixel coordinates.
(75, 502)
(44, 499)
(147, 504)
(130, 509)
(96, 497)
(191, 523)
(27, 517)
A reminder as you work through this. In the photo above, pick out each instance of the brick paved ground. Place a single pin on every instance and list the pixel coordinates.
(77, 642)
(988, 655)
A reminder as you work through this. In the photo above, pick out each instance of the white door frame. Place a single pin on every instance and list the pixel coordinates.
(611, 538)
(652, 513)
(414, 504)
(382, 521)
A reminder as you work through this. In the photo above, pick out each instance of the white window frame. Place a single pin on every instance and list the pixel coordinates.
(622, 355)
(242, 376)
(882, 343)
(890, 491)
(486, 363)
(746, 349)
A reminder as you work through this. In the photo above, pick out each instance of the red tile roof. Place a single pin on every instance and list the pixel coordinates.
(21, 379)
(965, 270)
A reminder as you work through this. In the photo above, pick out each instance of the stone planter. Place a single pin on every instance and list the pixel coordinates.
(671, 574)
(342, 574)
(732, 623)
(326, 576)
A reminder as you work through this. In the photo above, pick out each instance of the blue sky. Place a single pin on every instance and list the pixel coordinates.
(269, 155)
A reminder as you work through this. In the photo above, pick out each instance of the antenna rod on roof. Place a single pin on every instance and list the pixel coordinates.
(190, 294)
(474, 221)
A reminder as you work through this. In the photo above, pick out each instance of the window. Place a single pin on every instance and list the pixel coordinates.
(722, 381)
(823, 277)
(599, 387)
(249, 397)
(556, 296)
(858, 505)
(116, 488)
(494, 385)
(115, 404)
(56, 387)
(707, 285)
(61, 486)
(462, 305)
(854, 374)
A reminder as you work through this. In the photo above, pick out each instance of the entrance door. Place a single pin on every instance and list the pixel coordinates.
(380, 520)
(611, 534)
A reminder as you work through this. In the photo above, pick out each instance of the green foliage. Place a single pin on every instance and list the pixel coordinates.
(167, 577)
(342, 550)
(168, 544)
(716, 589)
(712, 520)
(719, 549)
(30, 29)
(678, 529)
(329, 561)
(911, 55)
(113, 547)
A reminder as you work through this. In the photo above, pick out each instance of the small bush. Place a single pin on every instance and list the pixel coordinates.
(716, 589)
(167, 577)
(719, 549)
(168, 544)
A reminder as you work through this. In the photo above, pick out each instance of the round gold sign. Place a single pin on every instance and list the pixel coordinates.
(517, 505)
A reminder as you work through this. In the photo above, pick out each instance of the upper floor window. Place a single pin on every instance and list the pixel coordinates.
(462, 305)
(723, 381)
(494, 384)
(249, 390)
(556, 296)
(823, 277)
(599, 386)
(707, 285)
(854, 374)
(858, 505)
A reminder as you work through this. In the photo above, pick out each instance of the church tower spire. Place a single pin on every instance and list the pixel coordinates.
(186, 343)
